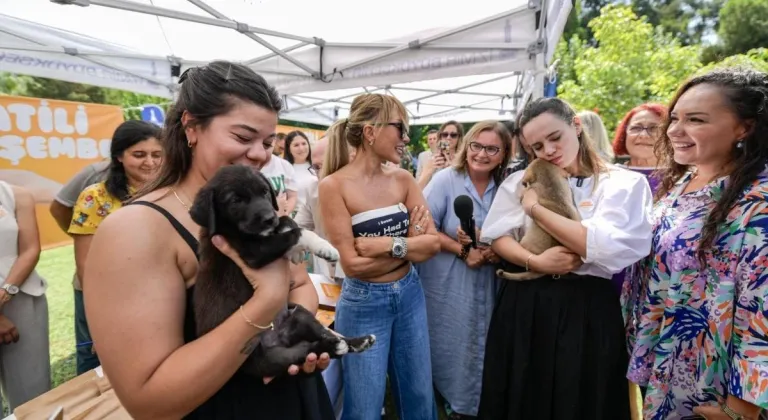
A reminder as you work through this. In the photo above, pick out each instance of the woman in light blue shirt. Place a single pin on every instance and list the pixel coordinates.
(460, 283)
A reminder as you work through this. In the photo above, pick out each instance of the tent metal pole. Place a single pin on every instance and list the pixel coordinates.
(243, 29)
(516, 45)
(417, 43)
(175, 14)
(61, 50)
(325, 101)
(456, 108)
(506, 76)
(272, 55)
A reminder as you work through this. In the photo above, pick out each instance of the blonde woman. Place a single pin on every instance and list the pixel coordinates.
(596, 131)
(376, 216)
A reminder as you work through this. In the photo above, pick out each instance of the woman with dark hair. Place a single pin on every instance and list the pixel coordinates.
(449, 137)
(144, 262)
(556, 346)
(135, 156)
(636, 136)
(298, 152)
(701, 341)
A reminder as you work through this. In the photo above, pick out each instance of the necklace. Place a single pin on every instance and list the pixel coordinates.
(173, 190)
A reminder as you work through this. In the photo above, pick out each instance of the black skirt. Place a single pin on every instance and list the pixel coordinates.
(556, 351)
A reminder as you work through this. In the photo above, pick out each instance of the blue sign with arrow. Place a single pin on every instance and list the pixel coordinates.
(153, 114)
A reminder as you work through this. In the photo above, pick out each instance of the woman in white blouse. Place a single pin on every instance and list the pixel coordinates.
(556, 346)
(298, 153)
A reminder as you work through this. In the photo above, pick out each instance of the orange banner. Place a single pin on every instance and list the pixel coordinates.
(44, 142)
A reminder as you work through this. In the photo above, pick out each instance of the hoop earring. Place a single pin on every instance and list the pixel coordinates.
(189, 143)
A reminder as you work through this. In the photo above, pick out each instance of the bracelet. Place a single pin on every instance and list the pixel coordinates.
(271, 325)
(464, 253)
(732, 414)
(530, 212)
(528, 260)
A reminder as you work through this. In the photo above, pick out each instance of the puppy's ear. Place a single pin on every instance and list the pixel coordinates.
(203, 211)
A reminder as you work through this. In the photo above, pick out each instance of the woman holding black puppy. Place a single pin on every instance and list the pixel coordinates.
(143, 260)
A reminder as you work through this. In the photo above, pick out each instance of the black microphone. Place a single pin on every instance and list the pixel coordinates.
(464, 209)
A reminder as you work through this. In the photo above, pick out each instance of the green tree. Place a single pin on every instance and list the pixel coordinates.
(688, 21)
(40, 87)
(757, 59)
(744, 25)
(633, 63)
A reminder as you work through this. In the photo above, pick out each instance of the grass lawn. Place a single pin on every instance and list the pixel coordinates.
(57, 266)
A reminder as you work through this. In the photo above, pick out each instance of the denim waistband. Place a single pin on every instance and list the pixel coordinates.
(409, 278)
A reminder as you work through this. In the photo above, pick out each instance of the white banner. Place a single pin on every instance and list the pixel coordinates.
(28, 48)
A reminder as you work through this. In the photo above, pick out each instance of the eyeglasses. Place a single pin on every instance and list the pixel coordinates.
(636, 130)
(453, 135)
(401, 127)
(489, 150)
(314, 169)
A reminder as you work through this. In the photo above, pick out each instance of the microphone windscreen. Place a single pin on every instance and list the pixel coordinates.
(463, 207)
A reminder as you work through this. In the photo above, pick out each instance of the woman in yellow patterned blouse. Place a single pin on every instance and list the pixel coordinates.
(136, 155)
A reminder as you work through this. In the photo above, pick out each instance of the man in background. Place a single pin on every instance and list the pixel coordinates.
(427, 154)
(61, 210)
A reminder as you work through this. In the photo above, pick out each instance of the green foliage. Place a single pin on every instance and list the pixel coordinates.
(744, 25)
(756, 59)
(39, 87)
(633, 63)
(688, 21)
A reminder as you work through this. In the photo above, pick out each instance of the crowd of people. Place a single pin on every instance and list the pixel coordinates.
(659, 287)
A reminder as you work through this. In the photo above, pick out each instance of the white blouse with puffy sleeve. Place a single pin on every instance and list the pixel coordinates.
(616, 215)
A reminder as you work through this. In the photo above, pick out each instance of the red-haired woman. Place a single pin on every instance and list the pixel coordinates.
(636, 137)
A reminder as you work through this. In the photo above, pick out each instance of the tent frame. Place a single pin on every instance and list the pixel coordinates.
(533, 80)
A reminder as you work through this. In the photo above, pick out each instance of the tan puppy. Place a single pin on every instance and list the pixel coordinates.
(551, 185)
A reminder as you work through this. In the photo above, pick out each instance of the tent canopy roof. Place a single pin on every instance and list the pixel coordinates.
(319, 54)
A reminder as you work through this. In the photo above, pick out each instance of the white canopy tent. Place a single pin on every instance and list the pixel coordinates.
(466, 61)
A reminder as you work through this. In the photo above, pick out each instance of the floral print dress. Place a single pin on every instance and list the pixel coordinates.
(702, 332)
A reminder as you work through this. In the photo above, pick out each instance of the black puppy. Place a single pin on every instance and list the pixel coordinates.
(239, 204)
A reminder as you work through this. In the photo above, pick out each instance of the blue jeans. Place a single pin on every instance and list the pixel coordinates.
(396, 313)
(86, 359)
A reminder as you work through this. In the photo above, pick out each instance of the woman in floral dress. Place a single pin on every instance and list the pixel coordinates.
(702, 340)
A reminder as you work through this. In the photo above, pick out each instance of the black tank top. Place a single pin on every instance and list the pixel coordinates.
(301, 397)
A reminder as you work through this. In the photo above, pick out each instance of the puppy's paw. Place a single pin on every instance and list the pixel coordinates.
(342, 348)
(328, 253)
(361, 344)
(316, 245)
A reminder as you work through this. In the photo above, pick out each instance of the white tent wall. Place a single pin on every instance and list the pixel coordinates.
(485, 60)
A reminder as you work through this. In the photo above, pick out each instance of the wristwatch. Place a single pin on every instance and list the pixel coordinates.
(10, 290)
(399, 247)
